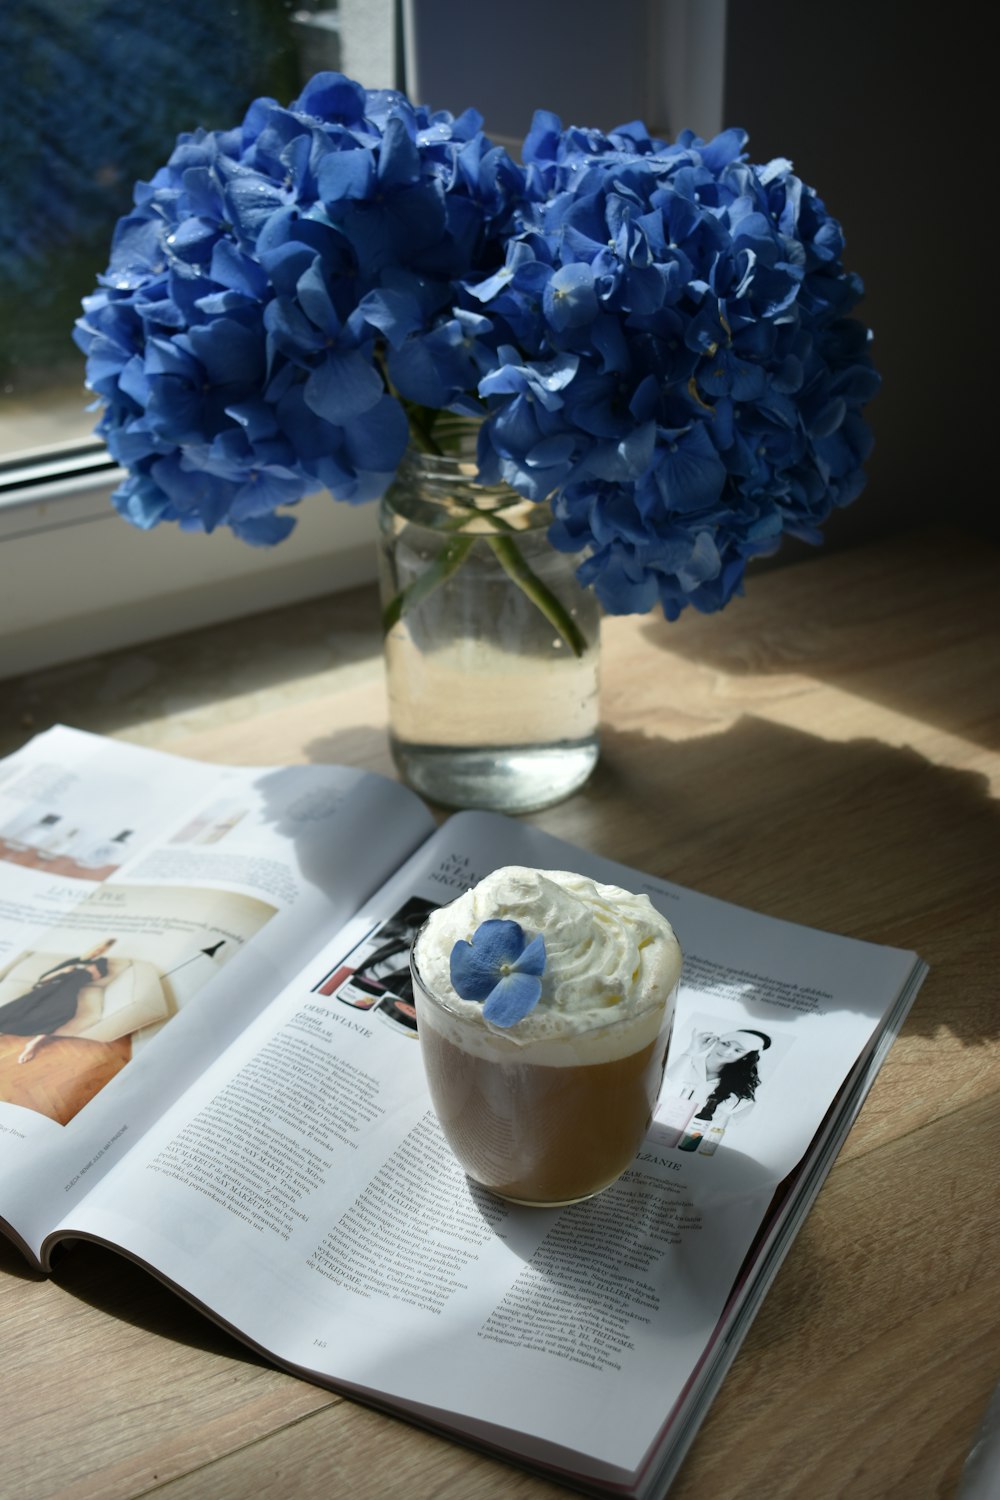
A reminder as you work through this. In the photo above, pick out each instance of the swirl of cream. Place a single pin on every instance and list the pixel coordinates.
(604, 946)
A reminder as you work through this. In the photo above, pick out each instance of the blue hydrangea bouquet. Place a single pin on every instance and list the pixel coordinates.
(654, 338)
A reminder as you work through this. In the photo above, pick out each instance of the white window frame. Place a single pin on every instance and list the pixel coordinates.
(75, 579)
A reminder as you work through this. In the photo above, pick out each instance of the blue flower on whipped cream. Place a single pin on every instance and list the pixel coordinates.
(501, 969)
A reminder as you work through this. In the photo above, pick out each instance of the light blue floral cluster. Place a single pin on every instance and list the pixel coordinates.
(657, 337)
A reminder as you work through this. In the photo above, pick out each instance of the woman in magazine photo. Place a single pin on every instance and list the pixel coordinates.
(720, 1069)
(51, 1002)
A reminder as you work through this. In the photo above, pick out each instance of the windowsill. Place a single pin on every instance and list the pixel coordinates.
(79, 580)
(221, 675)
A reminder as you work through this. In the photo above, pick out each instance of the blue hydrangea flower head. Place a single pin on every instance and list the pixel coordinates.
(711, 378)
(501, 969)
(239, 338)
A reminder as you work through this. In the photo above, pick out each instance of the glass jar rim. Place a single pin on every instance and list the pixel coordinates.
(435, 490)
(447, 464)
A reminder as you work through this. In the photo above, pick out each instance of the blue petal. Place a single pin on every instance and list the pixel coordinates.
(136, 252)
(343, 386)
(141, 501)
(420, 376)
(570, 300)
(476, 966)
(399, 160)
(251, 200)
(392, 311)
(376, 440)
(332, 96)
(263, 531)
(315, 299)
(346, 174)
(690, 474)
(263, 491)
(229, 353)
(511, 1000)
(532, 960)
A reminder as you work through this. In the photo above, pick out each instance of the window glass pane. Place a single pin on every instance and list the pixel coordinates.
(93, 94)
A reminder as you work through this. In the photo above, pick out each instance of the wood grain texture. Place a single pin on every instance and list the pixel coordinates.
(828, 751)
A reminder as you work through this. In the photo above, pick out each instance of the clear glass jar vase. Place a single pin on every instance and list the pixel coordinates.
(491, 643)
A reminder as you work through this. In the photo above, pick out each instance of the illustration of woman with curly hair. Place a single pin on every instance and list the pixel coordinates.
(720, 1070)
(732, 1066)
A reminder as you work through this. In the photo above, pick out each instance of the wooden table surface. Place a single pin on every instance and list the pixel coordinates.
(826, 751)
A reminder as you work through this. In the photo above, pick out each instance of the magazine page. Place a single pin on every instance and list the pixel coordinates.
(149, 906)
(309, 1153)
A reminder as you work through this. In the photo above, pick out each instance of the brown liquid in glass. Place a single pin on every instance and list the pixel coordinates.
(541, 1134)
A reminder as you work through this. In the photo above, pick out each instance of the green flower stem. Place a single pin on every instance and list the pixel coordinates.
(510, 559)
(435, 432)
(421, 434)
(436, 573)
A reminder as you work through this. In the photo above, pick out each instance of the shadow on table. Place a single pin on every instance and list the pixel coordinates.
(114, 1284)
(861, 839)
(805, 624)
(13, 1263)
(198, 671)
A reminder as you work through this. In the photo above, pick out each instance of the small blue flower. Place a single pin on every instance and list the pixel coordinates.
(500, 968)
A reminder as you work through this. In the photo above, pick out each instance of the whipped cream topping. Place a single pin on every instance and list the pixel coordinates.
(610, 955)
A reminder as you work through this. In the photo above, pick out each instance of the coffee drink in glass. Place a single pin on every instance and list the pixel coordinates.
(551, 1107)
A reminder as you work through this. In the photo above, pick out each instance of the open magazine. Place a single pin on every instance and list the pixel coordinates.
(208, 1058)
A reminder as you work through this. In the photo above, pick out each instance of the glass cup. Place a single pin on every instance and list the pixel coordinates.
(547, 1120)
